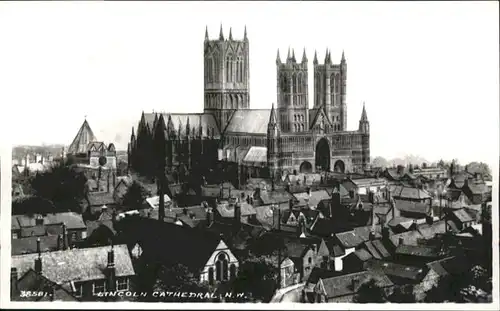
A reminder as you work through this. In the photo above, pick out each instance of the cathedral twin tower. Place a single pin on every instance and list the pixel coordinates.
(227, 85)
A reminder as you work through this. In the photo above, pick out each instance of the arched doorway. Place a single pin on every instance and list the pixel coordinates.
(323, 155)
(339, 167)
(306, 167)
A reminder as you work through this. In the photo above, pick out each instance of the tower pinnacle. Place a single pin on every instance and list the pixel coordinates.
(343, 57)
(230, 33)
(278, 58)
(293, 55)
(315, 61)
(206, 33)
(364, 117)
(221, 33)
(304, 56)
(245, 34)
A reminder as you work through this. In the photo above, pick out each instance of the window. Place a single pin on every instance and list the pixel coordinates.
(221, 267)
(78, 289)
(211, 276)
(122, 283)
(14, 235)
(99, 286)
(309, 260)
(73, 237)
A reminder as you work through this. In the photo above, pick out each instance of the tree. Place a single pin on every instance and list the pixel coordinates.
(63, 185)
(370, 292)
(380, 162)
(402, 295)
(135, 196)
(257, 276)
(446, 290)
(424, 165)
(30, 205)
(478, 167)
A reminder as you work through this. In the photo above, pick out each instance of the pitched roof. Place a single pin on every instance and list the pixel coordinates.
(397, 270)
(380, 247)
(226, 210)
(319, 273)
(409, 238)
(154, 201)
(412, 207)
(363, 254)
(100, 198)
(449, 265)
(82, 139)
(29, 245)
(256, 155)
(270, 197)
(313, 198)
(35, 282)
(409, 193)
(77, 264)
(334, 249)
(417, 250)
(70, 219)
(428, 231)
(349, 239)
(372, 250)
(342, 285)
(462, 215)
(252, 121)
(190, 247)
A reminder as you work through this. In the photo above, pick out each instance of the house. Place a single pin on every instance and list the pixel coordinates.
(34, 282)
(154, 201)
(344, 288)
(356, 261)
(414, 209)
(412, 237)
(100, 232)
(270, 197)
(94, 202)
(419, 278)
(28, 245)
(416, 254)
(83, 272)
(210, 192)
(229, 210)
(430, 230)
(207, 256)
(376, 249)
(190, 216)
(306, 254)
(366, 185)
(69, 223)
(311, 198)
(475, 191)
(407, 193)
(121, 187)
(293, 217)
(288, 275)
(431, 172)
(461, 219)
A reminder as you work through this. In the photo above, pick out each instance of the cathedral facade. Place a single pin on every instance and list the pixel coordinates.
(289, 137)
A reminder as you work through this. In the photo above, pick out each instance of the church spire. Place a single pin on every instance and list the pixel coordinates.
(304, 56)
(288, 57)
(245, 34)
(273, 120)
(230, 33)
(278, 58)
(206, 33)
(364, 117)
(343, 57)
(315, 61)
(221, 33)
(293, 55)
(326, 56)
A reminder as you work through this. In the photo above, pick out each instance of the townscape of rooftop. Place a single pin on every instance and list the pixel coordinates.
(228, 202)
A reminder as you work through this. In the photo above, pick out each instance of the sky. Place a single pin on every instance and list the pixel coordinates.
(428, 72)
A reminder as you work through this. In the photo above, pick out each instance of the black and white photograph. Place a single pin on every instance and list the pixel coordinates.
(325, 154)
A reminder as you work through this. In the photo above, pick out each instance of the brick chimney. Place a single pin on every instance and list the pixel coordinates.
(14, 290)
(38, 261)
(237, 213)
(111, 270)
(371, 235)
(65, 237)
(210, 217)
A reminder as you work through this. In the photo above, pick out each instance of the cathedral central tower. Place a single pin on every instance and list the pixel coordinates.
(227, 76)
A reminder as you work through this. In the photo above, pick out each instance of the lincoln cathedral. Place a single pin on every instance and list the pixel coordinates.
(288, 137)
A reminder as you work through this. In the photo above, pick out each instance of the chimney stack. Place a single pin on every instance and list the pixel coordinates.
(210, 216)
(237, 213)
(111, 270)
(38, 261)
(290, 204)
(371, 235)
(13, 283)
(65, 237)
(371, 197)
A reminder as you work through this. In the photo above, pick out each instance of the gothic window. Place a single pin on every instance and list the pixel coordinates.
(294, 117)
(285, 84)
(337, 82)
(240, 69)
(299, 83)
(295, 127)
(221, 267)
(216, 68)
(229, 68)
(332, 84)
(294, 82)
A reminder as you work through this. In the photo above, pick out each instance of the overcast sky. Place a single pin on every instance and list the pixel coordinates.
(428, 72)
